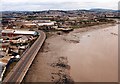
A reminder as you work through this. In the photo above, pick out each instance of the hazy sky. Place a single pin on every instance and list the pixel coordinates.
(23, 5)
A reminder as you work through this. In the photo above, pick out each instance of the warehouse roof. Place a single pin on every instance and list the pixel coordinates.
(24, 32)
(19, 32)
(7, 31)
(48, 23)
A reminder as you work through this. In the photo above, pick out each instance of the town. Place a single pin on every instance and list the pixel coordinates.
(19, 29)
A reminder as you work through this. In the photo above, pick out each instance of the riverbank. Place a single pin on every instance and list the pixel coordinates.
(52, 62)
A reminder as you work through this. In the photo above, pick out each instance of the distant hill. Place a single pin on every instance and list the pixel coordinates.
(98, 10)
(102, 10)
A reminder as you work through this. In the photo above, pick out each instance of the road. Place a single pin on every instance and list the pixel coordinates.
(17, 74)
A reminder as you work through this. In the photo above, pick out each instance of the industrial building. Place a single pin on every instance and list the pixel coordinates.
(46, 24)
(12, 33)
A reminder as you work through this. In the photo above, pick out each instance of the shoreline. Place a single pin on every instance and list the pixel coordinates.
(51, 65)
(80, 30)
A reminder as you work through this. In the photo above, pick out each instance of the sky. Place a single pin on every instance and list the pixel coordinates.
(39, 5)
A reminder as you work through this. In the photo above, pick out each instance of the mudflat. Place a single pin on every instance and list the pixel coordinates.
(83, 55)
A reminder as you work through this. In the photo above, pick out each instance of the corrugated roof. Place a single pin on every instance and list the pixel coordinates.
(48, 23)
(24, 32)
(7, 31)
(19, 32)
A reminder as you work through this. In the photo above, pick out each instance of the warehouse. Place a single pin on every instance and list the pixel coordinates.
(12, 33)
(46, 24)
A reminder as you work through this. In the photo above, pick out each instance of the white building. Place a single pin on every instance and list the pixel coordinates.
(46, 24)
(12, 33)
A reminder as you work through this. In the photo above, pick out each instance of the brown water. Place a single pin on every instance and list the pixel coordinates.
(95, 58)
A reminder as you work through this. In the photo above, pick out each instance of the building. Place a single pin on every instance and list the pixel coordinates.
(4, 46)
(13, 33)
(46, 24)
(2, 54)
(29, 25)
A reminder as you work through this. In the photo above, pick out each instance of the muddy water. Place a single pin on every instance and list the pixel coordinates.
(95, 58)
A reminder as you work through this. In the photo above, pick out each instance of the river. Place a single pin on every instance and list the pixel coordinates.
(92, 56)
(95, 58)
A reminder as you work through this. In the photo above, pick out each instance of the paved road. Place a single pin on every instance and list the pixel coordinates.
(17, 74)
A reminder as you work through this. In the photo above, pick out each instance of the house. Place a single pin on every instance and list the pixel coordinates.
(4, 46)
(2, 54)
